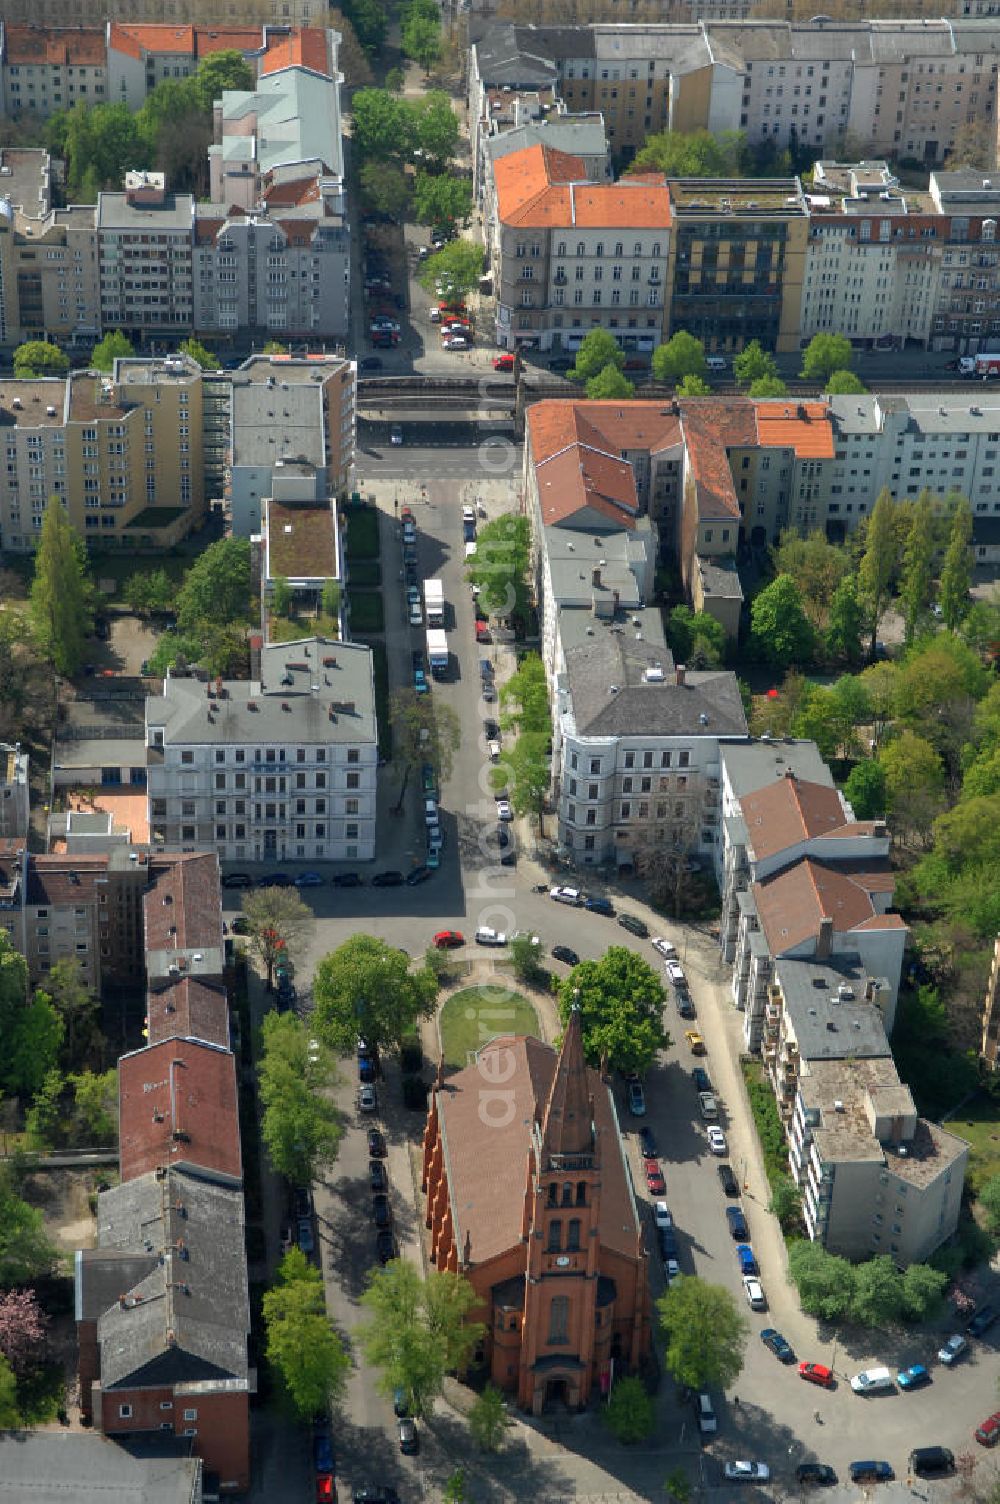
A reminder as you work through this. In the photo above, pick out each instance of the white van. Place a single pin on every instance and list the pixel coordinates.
(715, 363)
(871, 1380)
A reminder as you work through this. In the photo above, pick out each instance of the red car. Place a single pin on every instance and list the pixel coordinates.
(326, 1489)
(654, 1178)
(988, 1434)
(503, 363)
(449, 939)
(816, 1373)
(483, 632)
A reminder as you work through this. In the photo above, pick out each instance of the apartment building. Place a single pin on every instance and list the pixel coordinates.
(875, 1177)
(49, 282)
(515, 129)
(289, 412)
(44, 69)
(144, 240)
(279, 767)
(141, 56)
(571, 255)
(737, 261)
(966, 313)
(122, 453)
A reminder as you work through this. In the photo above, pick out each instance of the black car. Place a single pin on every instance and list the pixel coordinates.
(602, 906)
(418, 875)
(633, 925)
(237, 880)
(502, 838)
(376, 1143)
(564, 954)
(385, 1246)
(303, 1201)
(370, 364)
(347, 880)
(491, 730)
(871, 1472)
(509, 859)
(931, 1462)
(815, 1474)
(738, 1228)
(982, 1321)
(376, 1493)
(779, 1347)
(668, 1242)
(387, 880)
(377, 1178)
(277, 880)
(730, 1184)
(685, 1007)
(417, 658)
(647, 1143)
(700, 1078)
(381, 1211)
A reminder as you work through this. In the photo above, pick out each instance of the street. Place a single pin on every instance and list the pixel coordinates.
(573, 1456)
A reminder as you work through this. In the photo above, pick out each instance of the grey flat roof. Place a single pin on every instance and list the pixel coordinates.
(101, 752)
(283, 421)
(829, 1026)
(753, 765)
(582, 138)
(114, 212)
(51, 1467)
(342, 708)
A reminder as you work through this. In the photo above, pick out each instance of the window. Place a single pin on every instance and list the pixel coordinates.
(125, 1412)
(559, 1319)
(187, 757)
(573, 1235)
(555, 1235)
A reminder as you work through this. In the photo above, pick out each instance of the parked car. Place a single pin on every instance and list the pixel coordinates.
(602, 906)
(571, 896)
(746, 1472)
(745, 1255)
(385, 1249)
(381, 1211)
(700, 1078)
(655, 1183)
(486, 936)
(409, 1436)
(913, 1377)
(988, 1432)
(276, 880)
(685, 1007)
(504, 811)
(565, 954)
(716, 1139)
(781, 1349)
(636, 1100)
(730, 1185)
(816, 1373)
(306, 1240)
(871, 1472)
(707, 1105)
(503, 363)
(952, 1350)
(815, 1474)
(666, 948)
(376, 1143)
(448, 939)
(370, 365)
(633, 925)
(707, 1423)
(237, 880)
(982, 1321)
(738, 1228)
(872, 1381)
(483, 632)
(368, 1099)
(322, 1449)
(695, 1042)
(754, 1292)
(647, 1143)
(431, 812)
(675, 974)
(309, 880)
(347, 880)
(931, 1462)
(420, 684)
(417, 875)
(390, 879)
(456, 342)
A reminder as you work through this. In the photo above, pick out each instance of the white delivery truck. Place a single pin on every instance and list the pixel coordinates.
(437, 651)
(434, 602)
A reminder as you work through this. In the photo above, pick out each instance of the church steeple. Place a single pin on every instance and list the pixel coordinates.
(567, 1124)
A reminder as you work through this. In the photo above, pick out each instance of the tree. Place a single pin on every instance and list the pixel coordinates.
(150, 593)
(620, 998)
(10, 1414)
(914, 780)
(96, 1102)
(525, 958)
(956, 572)
(302, 1346)
(845, 622)
(527, 768)
(366, 987)
(32, 1049)
(381, 124)
(217, 587)
(37, 357)
(865, 790)
(439, 199)
(598, 349)
(878, 1293)
(457, 265)
(878, 562)
(26, 1253)
(989, 1201)
(59, 608)
(922, 1291)
(705, 1333)
(281, 596)
(219, 72)
(435, 126)
(197, 352)
(395, 80)
(114, 346)
(525, 697)
(844, 384)
(918, 560)
(488, 1419)
(753, 364)
(696, 638)
(22, 1330)
(693, 386)
(786, 1202)
(609, 385)
(678, 1485)
(330, 598)
(824, 354)
(279, 923)
(815, 564)
(78, 1008)
(824, 1281)
(300, 1126)
(780, 627)
(768, 386)
(830, 716)
(44, 1121)
(424, 730)
(681, 356)
(629, 1412)
(418, 1329)
(500, 565)
(421, 39)
(692, 154)
(385, 188)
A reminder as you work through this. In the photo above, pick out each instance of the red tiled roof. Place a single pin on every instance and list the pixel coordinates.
(542, 186)
(577, 447)
(582, 477)
(185, 898)
(710, 426)
(188, 1008)
(806, 427)
(177, 1106)
(139, 41)
(63, 879)
(305, 48)
(791, 810)
(55, 45)
(209, 39)
(792, 903)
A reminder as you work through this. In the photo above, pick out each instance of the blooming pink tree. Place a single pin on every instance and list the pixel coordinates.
(22, 1329)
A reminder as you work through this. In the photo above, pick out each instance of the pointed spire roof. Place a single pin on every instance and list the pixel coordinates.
(567, 1121)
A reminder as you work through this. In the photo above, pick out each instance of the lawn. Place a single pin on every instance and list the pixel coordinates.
(367, 611)
(978, 1122)
(362, 533)
(476, 1014)
(292, 628)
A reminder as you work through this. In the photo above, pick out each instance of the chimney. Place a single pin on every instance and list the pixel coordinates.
(680, 673)
(824, 940)
(595, 578)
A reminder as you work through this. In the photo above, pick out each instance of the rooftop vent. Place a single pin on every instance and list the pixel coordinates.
(838, 1105)
(51, 411)
(845, 993)
(654, 674)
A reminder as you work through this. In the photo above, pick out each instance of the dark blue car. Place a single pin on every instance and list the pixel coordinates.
(322, 1450)
(748, 1264)
(600, 906)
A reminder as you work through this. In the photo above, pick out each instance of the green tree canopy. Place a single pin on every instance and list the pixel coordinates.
(366, 987)
(385, 188)
(692, 154)
(60, 592)
(281, 596)
(780, 627)
(500, 564)
(844, 384)
(693, 386)
(95, 1098)
(705, 1333)
(681, 356)
(488, 1419)
(824, 354)
(815, 564)
(878, 1292)
(79, 1010)
(300, 1126)
(609, 385)
(424, 729)
(525, 697)
(302, 1346)
(910, 765)
(382, 125)
(199, 353)
(825, 1281)
(279, 923)
(457, 265)
(956, 573)
(421, 38)
(114, 346)
(26, 1252)
(598, 349)
(865, 789)
(217, 587)
(440, 199)
(922, 1291)
(629, 1413)
(149, 591)
(436, 127)
(845, 622)
(830, 716)
(37, 357)
(696, 638)
(918, 561)
(218, 72)
(878, 562)
(621, 1001)
(754, 363)
(768, 386)
(528, 772)
(418, 1330)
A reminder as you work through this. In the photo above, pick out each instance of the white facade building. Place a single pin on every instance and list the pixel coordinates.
(281, 767)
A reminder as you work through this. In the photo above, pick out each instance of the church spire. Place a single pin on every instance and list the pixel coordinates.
(567, 1121)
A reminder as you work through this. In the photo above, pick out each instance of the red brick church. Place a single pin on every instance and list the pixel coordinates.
(529, 1196)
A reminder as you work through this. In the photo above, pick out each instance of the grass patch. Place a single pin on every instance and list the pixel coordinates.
(767, 1120)
(292, 628)
(362, 540)
(121, 566)
(979, 1124)
(367, 611)
(475, 1014)
(366, 574)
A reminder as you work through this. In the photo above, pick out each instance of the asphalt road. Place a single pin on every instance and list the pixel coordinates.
(572, 1456)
